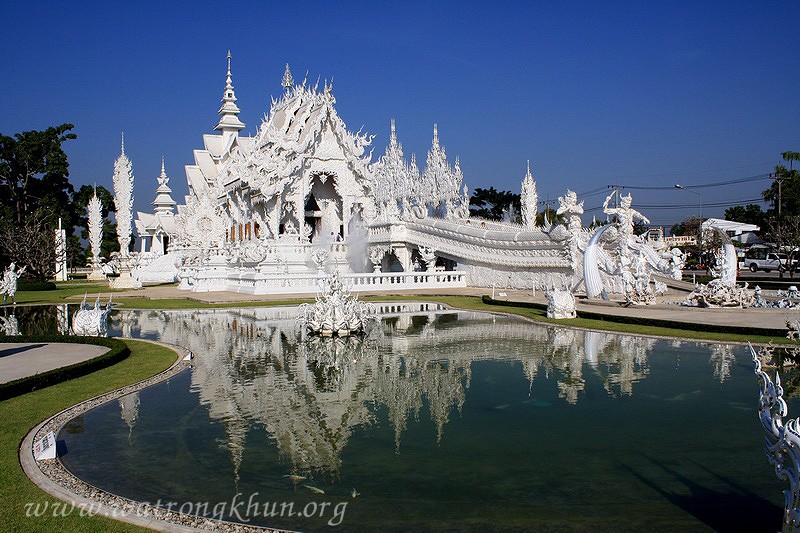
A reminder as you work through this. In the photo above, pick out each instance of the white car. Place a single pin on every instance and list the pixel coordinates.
(761, 259)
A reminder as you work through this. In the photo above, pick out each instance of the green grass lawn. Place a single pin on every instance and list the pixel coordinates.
(18, 415)
(463, 302)
(63, 291)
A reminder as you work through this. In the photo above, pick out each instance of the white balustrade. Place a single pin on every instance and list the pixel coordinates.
(249, 281)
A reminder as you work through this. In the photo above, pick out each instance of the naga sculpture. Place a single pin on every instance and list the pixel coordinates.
(91, 321)
(782, 445)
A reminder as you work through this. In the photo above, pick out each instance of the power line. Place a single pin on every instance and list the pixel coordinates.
(757, 177)
(728, 203)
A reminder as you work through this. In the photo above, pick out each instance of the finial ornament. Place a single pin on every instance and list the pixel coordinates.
(163, 179)
(435, 134)
(287, 82)
(229, 119)
(123, 143)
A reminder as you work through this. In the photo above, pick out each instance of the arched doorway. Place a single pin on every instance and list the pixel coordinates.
(323, 208)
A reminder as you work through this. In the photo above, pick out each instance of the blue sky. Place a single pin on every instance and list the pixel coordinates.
(593, 93)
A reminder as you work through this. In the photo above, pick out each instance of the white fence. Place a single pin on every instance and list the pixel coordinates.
(249, 282)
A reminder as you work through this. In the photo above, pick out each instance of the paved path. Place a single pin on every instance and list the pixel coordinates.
(19, 360)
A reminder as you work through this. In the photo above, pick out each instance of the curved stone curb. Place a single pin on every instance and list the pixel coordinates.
(53, 478)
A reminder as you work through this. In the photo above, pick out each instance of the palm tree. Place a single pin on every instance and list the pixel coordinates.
(790, 157)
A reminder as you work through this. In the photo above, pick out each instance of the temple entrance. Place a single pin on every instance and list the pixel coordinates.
(323, 209)
(313, 217)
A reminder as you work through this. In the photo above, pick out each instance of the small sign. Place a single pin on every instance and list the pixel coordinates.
(681, 240)
(45, 448)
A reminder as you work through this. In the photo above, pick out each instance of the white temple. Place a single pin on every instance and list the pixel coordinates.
(269, 213)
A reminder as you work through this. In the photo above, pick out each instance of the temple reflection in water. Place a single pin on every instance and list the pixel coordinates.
(257, 367)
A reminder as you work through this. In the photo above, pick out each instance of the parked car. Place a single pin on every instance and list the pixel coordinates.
(763, 259)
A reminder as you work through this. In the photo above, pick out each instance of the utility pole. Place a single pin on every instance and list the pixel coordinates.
(779, 179)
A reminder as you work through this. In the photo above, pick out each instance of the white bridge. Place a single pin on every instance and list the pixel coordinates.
(473, 241)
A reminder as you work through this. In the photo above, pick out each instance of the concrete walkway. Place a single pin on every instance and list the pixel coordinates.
(20, 360)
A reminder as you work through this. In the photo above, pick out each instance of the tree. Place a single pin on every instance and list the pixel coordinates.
(31, 244)
(746, 214)
(784, 231)
(784, 193)
(34, 193)
(549, 214)
(691, 227)
(34, 173)
(491, 203)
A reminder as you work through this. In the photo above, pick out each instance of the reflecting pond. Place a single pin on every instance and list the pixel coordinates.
(437, 421)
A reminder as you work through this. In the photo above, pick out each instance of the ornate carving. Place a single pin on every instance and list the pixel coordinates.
(94, 212)
(91, 321)
(529, 199)
(782, 444)
(336, 312)
(201, 224)
(123, 199)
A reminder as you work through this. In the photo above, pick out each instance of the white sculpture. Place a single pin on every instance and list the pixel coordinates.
(376, 257)
(560, 303)
(91, 321)
(722, 291)
(123, 199)
(592, 259)
(95, 216)
(9, 325)
(428, 256)
(782, 444)
(9, 283)
(336, 312)
(61, 253)
(529, 199)
(626, 216)
(569, 208)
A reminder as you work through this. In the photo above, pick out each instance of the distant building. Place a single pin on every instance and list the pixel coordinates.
(737, 231)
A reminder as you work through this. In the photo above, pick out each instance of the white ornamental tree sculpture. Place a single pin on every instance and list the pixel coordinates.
(529, 199)
(123, 199)
(94, 212)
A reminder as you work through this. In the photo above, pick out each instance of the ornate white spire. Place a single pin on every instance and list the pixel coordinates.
(229, 112)
(392, 181)
(94, 213)
(287, 82)
(435, 135)
(529, 199)
(123, 199)
(163, 202)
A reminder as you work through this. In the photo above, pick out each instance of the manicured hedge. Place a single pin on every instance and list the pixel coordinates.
(654, 322)
(118, 351)
(36, 286)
